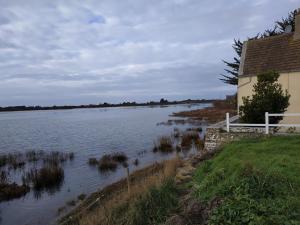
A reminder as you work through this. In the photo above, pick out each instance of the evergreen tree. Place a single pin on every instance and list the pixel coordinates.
(268, 97)
(231, 76)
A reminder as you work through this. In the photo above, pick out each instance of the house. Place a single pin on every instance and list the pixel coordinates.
(279, 53)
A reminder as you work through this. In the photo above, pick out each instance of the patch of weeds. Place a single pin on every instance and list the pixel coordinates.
(119, 157)
(164, 144)
(107, 163)
(48, 177)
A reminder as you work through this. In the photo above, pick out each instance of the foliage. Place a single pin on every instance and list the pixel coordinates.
(231, 76)
(257, 181)
(268, 97)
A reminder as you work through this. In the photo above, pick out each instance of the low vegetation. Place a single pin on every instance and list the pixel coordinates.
(151, 198)
(8, 190)
(211, 114)
(164, 145)
(48, 177)
(256, 182)
(109, 161)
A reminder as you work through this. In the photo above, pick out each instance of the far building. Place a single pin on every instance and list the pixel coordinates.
(279, 53)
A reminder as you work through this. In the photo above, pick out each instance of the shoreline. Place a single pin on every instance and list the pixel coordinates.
(95, 106)
(104, 194)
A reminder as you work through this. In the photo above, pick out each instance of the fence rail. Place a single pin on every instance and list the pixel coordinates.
(267, 125)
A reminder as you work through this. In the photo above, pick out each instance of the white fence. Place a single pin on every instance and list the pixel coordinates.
(267, 125)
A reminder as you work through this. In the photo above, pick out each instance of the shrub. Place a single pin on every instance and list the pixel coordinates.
(268, 97)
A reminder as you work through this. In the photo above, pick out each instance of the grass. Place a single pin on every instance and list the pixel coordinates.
(152, 197)
(48, 177)
(119, 157)
(8, 190)
(164, 145)
(190, 138)
(107, 163)
(257, 181)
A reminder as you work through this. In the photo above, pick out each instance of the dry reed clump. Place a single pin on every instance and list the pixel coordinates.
(164, 144)
(47, 177)
(10, 191)
(121, 201)
(188, 138)
(119, 157)
(109, 161)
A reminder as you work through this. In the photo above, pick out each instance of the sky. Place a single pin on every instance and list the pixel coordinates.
(80, 52)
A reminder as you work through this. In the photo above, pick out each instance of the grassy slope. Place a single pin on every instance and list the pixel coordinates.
(153, 207)
(258, 180)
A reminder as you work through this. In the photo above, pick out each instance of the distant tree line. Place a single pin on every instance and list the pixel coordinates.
(231, 76)
(103, 105)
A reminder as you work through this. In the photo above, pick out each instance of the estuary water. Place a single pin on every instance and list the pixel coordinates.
(88, 133)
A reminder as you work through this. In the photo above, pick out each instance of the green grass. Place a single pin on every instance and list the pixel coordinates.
(153, 207)
(258, 181)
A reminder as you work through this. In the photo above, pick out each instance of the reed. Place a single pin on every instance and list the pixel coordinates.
(119, 157)
(47, 177)
(164, 144)
(107, 163)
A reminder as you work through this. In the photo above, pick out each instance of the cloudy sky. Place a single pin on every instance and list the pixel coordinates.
(76, 52)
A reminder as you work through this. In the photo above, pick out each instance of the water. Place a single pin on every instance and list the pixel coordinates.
(87, 133)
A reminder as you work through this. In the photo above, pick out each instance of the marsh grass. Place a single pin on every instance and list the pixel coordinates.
(107, 163)
(151, 200)
(8, 190)
(190, 139)
(119, 157)
(164, 145)
(48, 177)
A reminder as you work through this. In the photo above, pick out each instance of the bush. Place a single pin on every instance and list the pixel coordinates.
(268, 97)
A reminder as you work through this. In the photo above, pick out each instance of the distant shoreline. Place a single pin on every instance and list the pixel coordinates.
(162, 102)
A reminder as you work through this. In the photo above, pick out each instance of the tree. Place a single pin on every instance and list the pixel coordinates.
(268, 97)
(231, 76)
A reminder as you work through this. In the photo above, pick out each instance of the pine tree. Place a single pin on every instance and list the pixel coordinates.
(233, 67)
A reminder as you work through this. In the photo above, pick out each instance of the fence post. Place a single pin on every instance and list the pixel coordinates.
(227, 122)
(267, 122)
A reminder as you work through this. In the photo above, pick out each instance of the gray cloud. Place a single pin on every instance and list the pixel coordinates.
(73, 52)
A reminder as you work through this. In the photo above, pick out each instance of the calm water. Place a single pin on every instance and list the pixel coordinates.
(87, 133)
